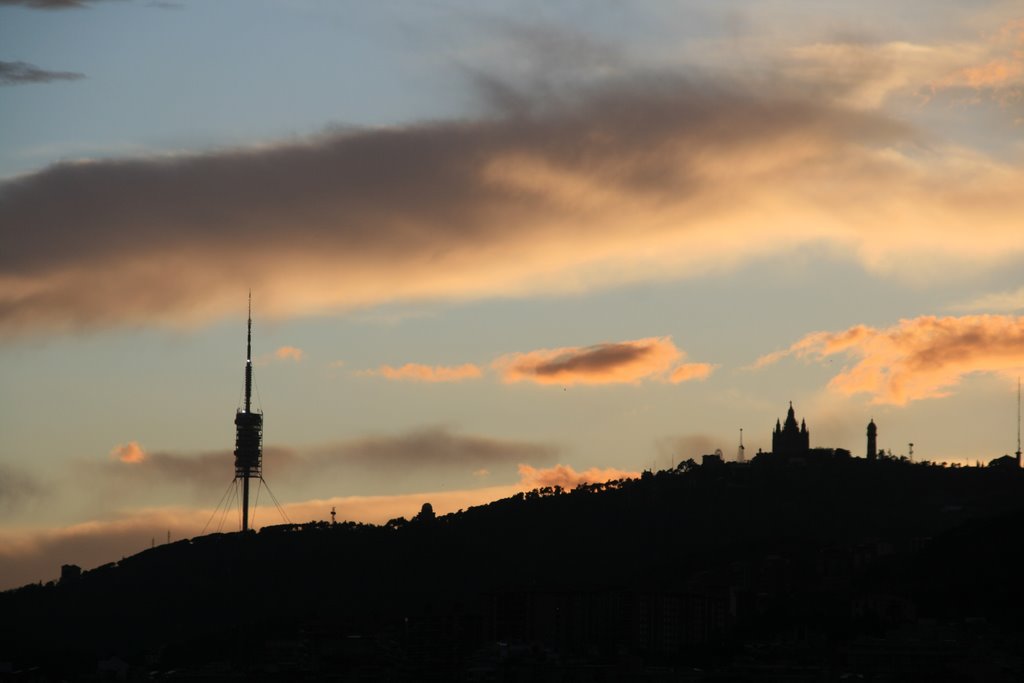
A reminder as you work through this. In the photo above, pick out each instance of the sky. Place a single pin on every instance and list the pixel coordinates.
(491, 246)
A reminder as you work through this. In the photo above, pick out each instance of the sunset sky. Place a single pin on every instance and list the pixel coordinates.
(491, 246)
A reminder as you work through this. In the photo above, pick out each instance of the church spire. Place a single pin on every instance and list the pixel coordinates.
(790, 424)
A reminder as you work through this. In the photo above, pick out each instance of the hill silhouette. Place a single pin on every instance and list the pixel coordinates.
(835, 567)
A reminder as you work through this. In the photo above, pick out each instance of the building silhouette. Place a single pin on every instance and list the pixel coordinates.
(872, 452)
(790, 440)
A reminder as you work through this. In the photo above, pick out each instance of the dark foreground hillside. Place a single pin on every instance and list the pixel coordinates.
(842, 569)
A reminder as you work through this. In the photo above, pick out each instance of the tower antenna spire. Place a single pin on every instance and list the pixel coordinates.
(248, 360)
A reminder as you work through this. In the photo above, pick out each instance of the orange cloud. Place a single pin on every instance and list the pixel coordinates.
(691, 371)
(995, 73)
(998, 67)
(918, 358)
(427, 373)
(130, 452)
(566, 477)
(288, 352)
(607, 363)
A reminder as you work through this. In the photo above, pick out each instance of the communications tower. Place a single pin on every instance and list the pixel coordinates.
(248, 454)
(248, 433)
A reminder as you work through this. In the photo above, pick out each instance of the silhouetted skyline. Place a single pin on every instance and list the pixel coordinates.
(817, 566)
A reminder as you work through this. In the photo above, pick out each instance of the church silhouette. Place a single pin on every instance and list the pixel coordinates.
(791, 441)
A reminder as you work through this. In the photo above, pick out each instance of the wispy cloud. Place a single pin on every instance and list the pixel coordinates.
(21, 73)
(998, 69)
(607, 363)
(283, 353)
(417, 450)
(207, 471)
(289, 353)
(79, 4)
(865, 74)
(17, 487)
(432, 447)
(993, 302)
(427, 373)
(918, 358)
(47, 4)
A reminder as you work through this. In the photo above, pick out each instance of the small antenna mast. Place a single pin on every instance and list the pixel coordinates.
(1018, 420)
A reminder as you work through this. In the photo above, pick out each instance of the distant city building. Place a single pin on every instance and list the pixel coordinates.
(712, 459)
(69, 572)
(872, 453)
(790, 440)
(426, 514)
(1008, 462)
